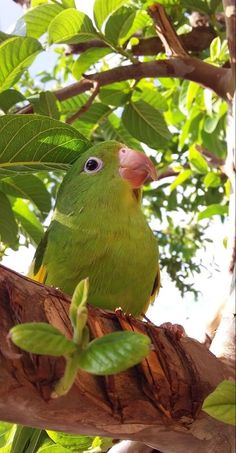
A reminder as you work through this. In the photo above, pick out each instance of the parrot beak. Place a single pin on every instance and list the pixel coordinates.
(136, 167)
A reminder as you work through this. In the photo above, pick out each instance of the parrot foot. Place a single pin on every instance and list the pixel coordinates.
(176, 329)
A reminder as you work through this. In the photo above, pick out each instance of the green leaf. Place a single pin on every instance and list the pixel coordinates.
(115, 94)
(79, 299)
(87, 59)
(103, 8)
(211, 123)
(69, 3)
(8, 225)
(134, 23)
(41, 338)
(215, 47)
(196, 5)
(146, 124)
(113, 129)
(71, 441)
(30, 143)
(8, 98)
(30, 188)
(49, 447)
(38, 2)
(197, 161)
(181, 178)
(212, 179)
(7, 431)
(71, 26)
(16, 54)
(46, 104)
(115, 23)
(114, 353)
(192, 91)
(220, 404)
(4, 36)
(213, 209)
(27, 439)
(28, 221)
(89, 120)
(73, 104)
(38, 19)
(151, 96)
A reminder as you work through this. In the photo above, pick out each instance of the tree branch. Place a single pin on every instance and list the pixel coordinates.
(162, 395)
(187, 68)
(196, 40)
(87, 105)
(166, 32)
(230, 18)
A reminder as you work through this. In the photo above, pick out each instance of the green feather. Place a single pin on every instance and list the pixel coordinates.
(99, 231)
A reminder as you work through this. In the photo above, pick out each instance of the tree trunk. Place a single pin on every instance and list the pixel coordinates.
(157, 402)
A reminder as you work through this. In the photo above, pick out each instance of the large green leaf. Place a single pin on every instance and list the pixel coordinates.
(116, 23)
(8, 225)
(113, 129)
(87, 59)
(115, 94)
(150, 95)
(146, 124)
(135, 22)
(8, 98)
(38, 19)
(197, 161)
(71, 26)
(16, 54)
(114, 353)
(7, 431)
(221, 404)
(30, 143)
(31, 226)
(41, 338)
(103, 8)
(73, 104)
(28, 187)
(89, 120)
(46, 104)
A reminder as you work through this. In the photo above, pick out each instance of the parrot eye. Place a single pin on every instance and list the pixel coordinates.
(93, 164)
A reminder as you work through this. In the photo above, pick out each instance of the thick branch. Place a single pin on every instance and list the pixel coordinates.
(230, 18)
(196, 40)
(187, 68)
(166, 32)
(155, 402)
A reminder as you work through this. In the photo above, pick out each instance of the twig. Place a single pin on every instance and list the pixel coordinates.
(166, 32)
(87, 104)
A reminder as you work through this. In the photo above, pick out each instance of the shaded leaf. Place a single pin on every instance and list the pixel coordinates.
(89, 120)
(8, 225)
(87, 59)
(28, 221)
(16, 54)
(113, 129)
(114, 353)
(115, 23)
(33, 142)
(46, 104)
(71, 26)
(115, 94)
(213, 209)
(41, 338)
(28, 187)
(72, 442)
(212, 179)
(146, 124)
(220, 404)
(8, 98)
(135, 22)
(197, 161)
(151, 96)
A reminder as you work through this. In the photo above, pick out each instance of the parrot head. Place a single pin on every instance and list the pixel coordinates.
(109, 164)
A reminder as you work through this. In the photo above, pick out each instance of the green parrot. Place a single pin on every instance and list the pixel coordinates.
(98, 230)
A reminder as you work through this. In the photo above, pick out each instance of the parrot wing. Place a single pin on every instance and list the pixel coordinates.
(38, 271)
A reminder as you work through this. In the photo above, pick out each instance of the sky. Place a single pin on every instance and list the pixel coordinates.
(169, 305)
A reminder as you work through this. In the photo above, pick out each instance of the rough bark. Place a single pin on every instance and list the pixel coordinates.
(155, 402)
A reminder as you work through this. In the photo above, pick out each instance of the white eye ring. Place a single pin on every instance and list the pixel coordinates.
(93, 165)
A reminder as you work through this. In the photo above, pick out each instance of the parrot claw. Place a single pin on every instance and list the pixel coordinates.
(176, 329)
